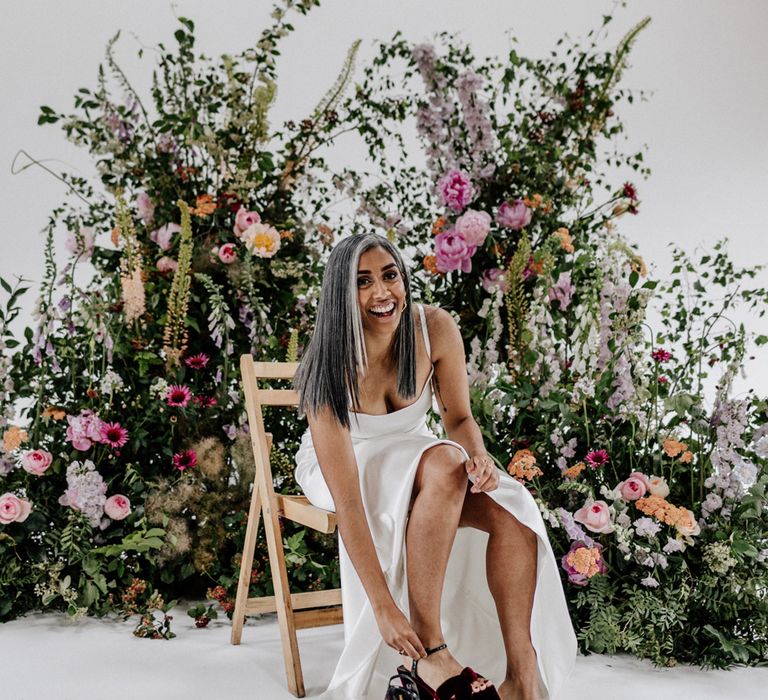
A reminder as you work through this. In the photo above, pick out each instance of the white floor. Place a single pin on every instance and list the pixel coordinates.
(44, 655)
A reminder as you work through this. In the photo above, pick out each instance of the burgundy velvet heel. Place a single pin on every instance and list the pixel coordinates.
(455, 688)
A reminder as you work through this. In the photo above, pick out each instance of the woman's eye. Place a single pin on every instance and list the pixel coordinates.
(362, 281)
(390, 276)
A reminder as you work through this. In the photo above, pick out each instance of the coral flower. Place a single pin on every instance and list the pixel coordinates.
(185, 460)
(597, 458)
(13, 438)
(113, 434)
(197, 361)
(523, 466)
(178, 395)
(581, 563)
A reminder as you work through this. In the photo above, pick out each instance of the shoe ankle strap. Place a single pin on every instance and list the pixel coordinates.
(434, 650)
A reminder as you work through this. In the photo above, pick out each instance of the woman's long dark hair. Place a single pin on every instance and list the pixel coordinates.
(329, 370)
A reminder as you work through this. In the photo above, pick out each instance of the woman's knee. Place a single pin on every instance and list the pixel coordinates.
(442, 467)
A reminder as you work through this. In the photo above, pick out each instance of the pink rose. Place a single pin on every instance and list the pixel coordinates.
(117, 507)
(162, 236)
(514, 215)
(13, 509)
(83, 247)
(632, 488)
(146, 209)
(494, 278)
(36, 461)
(227, 253)
(166, 264)
(456, 190)
(595, 516)
(453, 252)
(473, 226)
(657, 485)
(245, 219)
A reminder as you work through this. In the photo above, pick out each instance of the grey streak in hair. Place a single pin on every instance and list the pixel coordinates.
(329, 372)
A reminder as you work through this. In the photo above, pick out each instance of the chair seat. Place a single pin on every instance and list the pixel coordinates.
(300, 510)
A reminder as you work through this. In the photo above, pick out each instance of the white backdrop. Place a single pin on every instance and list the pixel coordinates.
(705, 125)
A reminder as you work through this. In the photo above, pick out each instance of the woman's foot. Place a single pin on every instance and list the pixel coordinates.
(522, 683)
(440, 666)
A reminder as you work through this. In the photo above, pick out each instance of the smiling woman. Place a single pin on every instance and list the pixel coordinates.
(396, 488)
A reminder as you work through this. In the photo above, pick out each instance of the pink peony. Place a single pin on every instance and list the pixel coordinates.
(13, 509)
(84, 430)
(493, 278)
(453, 252)
(178, 395)
(36, 461)
(632, 488)
(166, 264)
(595, 516)
(114, 435)
(514, 215)
(262, 240)
(244, 219)
(83, 248)
(473, 226)
(227, 253)
(146, 209)
(117, 507)
(163, 235)
(456, 190)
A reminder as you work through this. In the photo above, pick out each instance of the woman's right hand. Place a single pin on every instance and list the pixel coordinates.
(398, 633)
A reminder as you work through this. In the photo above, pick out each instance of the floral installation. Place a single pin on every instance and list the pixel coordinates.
(126, 476)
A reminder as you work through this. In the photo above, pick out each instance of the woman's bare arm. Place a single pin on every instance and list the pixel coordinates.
(333, 447)
(452, 389)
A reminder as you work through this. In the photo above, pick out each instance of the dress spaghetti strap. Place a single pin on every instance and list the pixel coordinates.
(424, 331)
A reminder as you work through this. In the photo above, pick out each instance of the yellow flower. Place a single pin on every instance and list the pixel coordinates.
(13, 438)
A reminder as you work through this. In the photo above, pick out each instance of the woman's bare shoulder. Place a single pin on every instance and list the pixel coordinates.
(443, 329)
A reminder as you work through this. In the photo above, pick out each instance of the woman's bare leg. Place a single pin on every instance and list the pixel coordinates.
(438, 497)
(511, 572)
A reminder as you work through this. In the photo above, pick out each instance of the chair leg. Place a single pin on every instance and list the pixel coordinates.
(246, 565)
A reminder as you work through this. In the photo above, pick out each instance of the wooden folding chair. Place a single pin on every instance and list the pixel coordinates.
(294, 610)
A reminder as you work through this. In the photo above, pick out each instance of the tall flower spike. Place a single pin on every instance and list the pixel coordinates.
(175, 333)
(516, 302)
(131, 278)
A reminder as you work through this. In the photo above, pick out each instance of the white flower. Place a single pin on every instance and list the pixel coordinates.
(650, 582)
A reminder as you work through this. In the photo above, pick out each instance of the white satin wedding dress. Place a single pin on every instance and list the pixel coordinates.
(388, 449)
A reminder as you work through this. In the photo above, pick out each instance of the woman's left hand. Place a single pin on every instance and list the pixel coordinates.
(482, 473)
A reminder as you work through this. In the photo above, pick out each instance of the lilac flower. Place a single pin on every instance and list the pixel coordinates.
(86, 491)
(647, 527)
(81, 244)
(562, 291)
(456, 190)
(673, 545)
(650, 582)
(574, 531)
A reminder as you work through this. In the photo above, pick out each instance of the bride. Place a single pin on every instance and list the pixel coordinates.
(444, 558)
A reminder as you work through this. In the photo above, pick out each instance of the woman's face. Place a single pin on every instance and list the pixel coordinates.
(380, 290)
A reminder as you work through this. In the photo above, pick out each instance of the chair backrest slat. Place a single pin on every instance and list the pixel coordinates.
(278, 397)
(275, 370)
